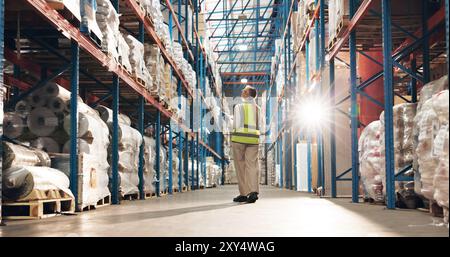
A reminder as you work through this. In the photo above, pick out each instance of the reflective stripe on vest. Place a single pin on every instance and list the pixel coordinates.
(249, 133)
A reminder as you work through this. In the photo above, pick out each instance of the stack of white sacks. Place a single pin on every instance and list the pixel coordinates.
(124, 53)
(137, 62)
(149, 162)
(108, 21)
(186, 68)
(213, 173)
(153, 10)
(155, 65)
(432, 150)
(338, 10)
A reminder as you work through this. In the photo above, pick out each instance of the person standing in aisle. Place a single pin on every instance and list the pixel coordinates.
(245, 144)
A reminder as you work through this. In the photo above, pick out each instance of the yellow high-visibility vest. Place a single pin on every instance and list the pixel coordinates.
(249, 134)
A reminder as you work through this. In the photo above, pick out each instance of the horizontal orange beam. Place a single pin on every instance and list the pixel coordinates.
(241, 83)
(229, 74)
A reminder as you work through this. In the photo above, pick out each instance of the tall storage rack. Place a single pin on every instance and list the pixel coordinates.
(105, 79)
(429, 32)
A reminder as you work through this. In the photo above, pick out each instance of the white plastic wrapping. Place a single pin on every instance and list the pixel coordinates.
(136, 56)
(372, 165)
(427, 122)
(108, 21)
(13, 125)
(17, 155)
(20, 181)
(130, 141)
(124, 53)
(441, 151)
(94, 164)
(46, 144)
(155, 65)
(149, 162)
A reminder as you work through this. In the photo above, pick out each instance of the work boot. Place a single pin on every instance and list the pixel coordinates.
(240, 199)
(252, 197)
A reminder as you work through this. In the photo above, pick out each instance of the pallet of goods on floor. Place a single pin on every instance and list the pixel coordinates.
(37, 122)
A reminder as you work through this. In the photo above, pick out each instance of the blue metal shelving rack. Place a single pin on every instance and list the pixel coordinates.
(162, 119)
(391, 59)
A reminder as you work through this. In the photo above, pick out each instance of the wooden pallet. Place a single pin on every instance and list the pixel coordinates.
(56, 5)
(150, 20)
(342, 26)
(164, 192)
(436, 210)
(331, 42)
(139, 80)
(131, 197)
(150, 195)
(94, 38)
(37, 209)
(101, 203)
(123, 68)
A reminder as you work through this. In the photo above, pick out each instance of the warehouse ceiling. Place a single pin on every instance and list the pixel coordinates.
(243, 35)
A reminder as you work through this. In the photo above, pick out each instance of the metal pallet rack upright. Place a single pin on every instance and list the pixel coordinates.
(415, 44)
(83, 59)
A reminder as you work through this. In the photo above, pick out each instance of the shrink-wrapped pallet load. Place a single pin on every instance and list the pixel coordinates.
(108, 21)
(441, 151)
(427, 126)
(130, 141)
(48, 129)
(136, 56)
(155, 65)
(149, 162)
(372, 165)
(124, 53)
(26, 174)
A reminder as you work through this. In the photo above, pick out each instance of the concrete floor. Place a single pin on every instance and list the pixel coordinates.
(210, 212)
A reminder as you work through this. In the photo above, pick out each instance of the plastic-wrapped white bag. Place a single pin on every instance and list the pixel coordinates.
(372, 166)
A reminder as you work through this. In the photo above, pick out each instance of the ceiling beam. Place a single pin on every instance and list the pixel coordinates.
(255, 73)
(242, 83)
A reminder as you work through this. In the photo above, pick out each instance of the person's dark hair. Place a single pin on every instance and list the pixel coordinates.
(252, 91)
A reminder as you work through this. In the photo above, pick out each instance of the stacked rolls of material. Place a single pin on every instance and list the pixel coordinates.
(130, 141)
(26, 171)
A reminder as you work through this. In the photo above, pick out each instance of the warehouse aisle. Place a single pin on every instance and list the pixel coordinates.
(210, 213)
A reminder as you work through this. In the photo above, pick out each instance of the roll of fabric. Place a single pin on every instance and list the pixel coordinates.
(106, 115)
(61, 162)
(13, 125)
(19, 182)
(83, 146)
(83, 124)
(46, 144)
(57, 105)
(38, 98)
(17, 155)
(23, 107)
(52, 90)
(42, 121)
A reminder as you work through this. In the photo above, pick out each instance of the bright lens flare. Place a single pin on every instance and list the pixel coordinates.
(312, 114)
